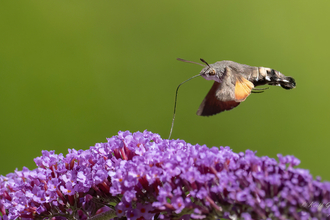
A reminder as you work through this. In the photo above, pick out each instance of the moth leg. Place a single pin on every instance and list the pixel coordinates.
(257, 91)
(260, 88)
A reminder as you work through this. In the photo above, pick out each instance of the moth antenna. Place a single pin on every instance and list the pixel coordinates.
(176, 97)
(205, 62)
(187, 61)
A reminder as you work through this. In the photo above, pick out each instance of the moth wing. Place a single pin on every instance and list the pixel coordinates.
(234, 86)
(226, 95)
(212, 105)
(226, 90)
(243, 88)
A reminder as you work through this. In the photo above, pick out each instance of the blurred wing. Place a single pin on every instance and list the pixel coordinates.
(226, 95)
(211, 105)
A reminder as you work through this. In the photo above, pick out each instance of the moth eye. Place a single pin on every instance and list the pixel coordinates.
(212, 72)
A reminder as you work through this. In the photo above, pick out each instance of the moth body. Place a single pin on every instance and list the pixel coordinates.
(257, 75)
(234, 82)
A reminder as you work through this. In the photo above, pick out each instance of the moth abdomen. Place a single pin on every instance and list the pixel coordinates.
(272, 77)
(277, 78)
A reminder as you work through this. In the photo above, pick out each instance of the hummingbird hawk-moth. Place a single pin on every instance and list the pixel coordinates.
(233, 83)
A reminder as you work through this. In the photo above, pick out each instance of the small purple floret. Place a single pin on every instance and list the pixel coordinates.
(141, 176)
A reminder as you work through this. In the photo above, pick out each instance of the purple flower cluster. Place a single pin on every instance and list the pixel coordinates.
(141, 176)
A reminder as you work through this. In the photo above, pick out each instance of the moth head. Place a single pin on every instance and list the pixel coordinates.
(214, 71)
(210, 73)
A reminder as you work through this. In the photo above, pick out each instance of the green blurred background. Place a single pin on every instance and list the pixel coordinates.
(73, 73)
